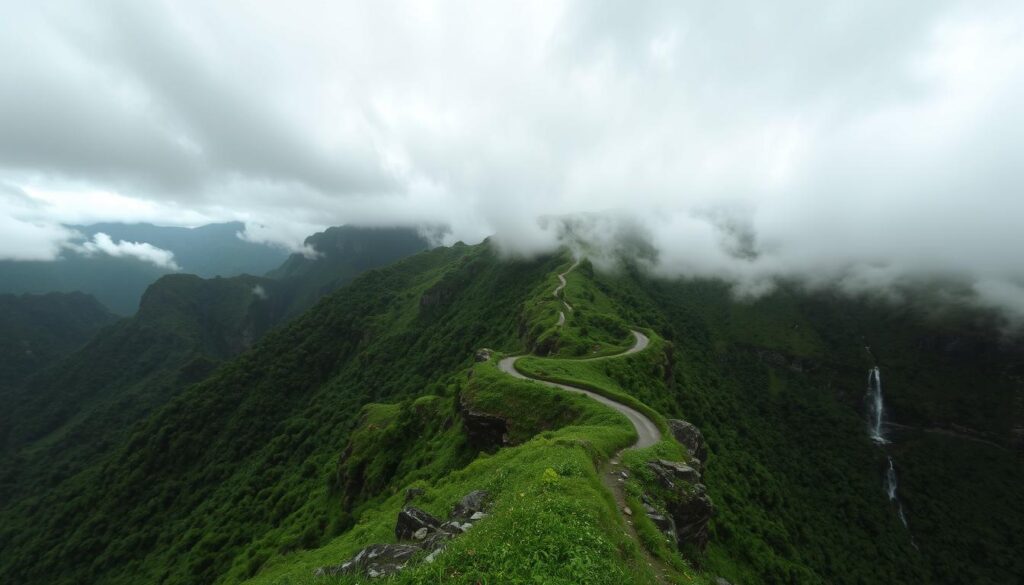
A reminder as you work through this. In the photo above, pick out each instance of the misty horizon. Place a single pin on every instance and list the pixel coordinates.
(868, 148)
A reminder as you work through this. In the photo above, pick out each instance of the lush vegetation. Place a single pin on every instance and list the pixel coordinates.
(297, 453)
(336, 256)
(777, 385)
(59, 421)
(552, 520)
(233, 468)
(41, 329)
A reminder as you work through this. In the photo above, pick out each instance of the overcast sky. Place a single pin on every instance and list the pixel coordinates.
(867, 143)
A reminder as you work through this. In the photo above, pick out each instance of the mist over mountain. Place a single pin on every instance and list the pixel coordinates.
(117, 262)
(861, 146)
(556, 292)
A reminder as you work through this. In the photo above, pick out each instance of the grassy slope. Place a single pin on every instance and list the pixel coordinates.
(57, 423)
(240, 477)
(553, 521)
(233, 469)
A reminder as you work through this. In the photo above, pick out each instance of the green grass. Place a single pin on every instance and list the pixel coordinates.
(553, 521)
(296, 454)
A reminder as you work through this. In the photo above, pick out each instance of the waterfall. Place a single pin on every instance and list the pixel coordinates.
(875, 415)
(890, 488)
(875, 407)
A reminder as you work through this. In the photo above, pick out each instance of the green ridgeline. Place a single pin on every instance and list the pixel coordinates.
(237, 467)
(64, 405)
(38, 329)
(245, 475)
(551, 520)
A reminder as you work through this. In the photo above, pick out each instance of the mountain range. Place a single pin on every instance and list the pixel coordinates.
(118, 282)
(331, 421)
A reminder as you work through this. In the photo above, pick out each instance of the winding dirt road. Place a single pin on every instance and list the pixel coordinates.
(646, 431)
(612, 474)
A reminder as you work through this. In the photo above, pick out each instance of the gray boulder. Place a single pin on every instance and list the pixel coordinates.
(452, 528)
(484, 431)
(376, 560)
(690, 437)
(691, 510)
(665, 523)
(671, 473)
(436, 540)
(483, 354)
(470, 504)
(411, 520)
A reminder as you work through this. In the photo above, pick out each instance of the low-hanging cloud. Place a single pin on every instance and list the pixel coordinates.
(861, 145)
(101, 243)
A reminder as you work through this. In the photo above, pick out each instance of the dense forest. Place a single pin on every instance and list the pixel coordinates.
(268, 459)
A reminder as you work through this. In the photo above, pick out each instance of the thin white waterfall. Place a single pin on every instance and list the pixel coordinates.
(876, 411)
(875, 406)
(890, 487)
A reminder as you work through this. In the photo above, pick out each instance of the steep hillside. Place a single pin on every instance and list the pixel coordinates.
(778, 386)
(38, 330)
(340, 254)
(236, 463)
(311, 445)
(56, 421)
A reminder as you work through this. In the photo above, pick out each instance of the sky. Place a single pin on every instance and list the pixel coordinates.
(864, 145)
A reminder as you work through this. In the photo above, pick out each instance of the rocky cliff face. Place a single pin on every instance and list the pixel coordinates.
(417, 531)
(675, 499)
(484, 431)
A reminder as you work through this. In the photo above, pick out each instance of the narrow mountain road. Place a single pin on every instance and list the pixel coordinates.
(646, 431)
(558, 289)
(612, 475)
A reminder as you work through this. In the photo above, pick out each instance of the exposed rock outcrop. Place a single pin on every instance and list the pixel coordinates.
(484, 431)
(688, 508)
(664, 522)
(671, 473)
(473, 503)
(691, 509)
(411, 520)
(690, 437)
(376, 560)
(428, 534)
(483, 354)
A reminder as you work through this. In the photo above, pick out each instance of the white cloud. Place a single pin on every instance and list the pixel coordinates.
(864, 144)
(24, 234)
(102, 244)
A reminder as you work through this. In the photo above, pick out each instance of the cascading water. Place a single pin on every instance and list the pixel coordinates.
(890, 488)
(876, 410)
(875, 406)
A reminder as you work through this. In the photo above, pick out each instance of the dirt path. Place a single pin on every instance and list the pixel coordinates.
(646, 431)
